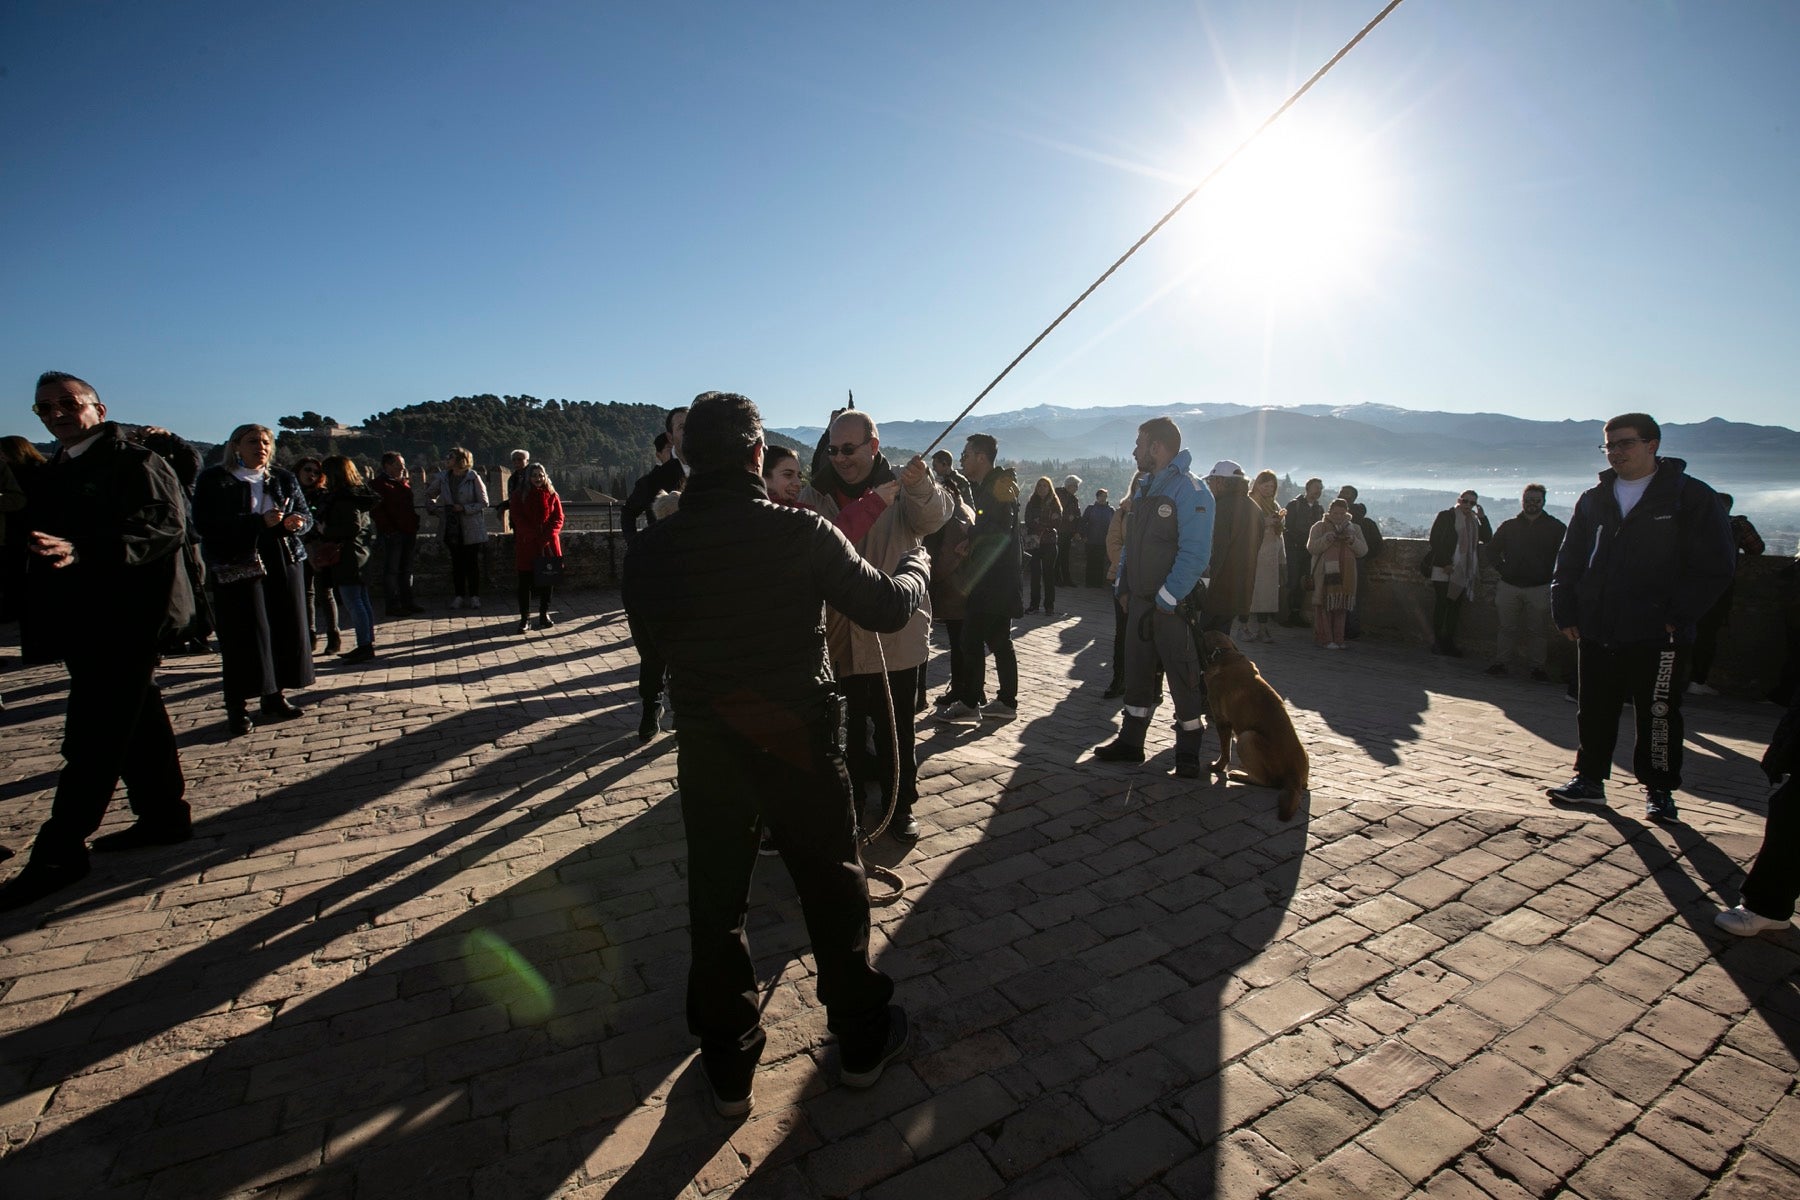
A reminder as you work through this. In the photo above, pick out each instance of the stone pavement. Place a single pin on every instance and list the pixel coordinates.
(431, 941)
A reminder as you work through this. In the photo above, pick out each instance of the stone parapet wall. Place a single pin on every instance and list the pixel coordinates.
(1395, 602)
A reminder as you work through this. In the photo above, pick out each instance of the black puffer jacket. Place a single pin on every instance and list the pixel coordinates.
(1622, 580)
(731, 592)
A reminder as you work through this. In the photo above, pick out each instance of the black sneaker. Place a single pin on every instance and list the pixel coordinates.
(41, 879)
(1579, 791)
(899, 1037)
(905, 829)
(727, 1104)
(647, 724)
(1660, 805)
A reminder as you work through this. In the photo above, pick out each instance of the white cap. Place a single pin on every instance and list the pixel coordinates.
(1225, 467)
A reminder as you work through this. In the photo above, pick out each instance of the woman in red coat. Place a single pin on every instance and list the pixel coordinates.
(537, 521)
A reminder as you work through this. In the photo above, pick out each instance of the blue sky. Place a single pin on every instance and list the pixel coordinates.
(223, 212)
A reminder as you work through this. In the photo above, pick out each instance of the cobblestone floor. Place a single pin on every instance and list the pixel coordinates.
(431, 941)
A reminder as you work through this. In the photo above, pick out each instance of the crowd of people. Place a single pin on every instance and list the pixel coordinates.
(783, 618)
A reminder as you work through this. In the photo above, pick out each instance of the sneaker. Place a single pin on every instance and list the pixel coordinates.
(474, 601)
(1334, 646)
(1579, 791)
(998, 710)
(899, 1037)
(456, 602)
(544, 621)
(729, 1107)
(1571, 697)
(906, 829)
(1701, 689)
(958, 713)
(1659, 805)
(1496, 669)
(945, 700)
(1745, 923)
(524, 626)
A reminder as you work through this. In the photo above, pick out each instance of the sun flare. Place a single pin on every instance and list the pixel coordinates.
(1295, 217)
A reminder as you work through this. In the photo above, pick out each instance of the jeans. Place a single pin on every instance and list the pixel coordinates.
(353, 598)
(992, 631)
(397, 570)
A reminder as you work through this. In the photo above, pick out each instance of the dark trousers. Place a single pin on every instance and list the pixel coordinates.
(465, 570)
(1118, 658)
(1299, 566)
(397, 570)
(1652, 678)
(989, 631)
(958, 668)
(1064, 564)
(1094, 573)
(321, 605)
(799, 789)
(116, 729)
(1446, 614)
(1774, 881)
(527, 588)
(869, 715)
(651, 669)
(1041, 563)
(1706, 635)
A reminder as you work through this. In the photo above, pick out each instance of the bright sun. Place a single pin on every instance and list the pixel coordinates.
(1295, 217)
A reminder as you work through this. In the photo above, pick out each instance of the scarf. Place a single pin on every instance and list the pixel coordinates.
(1464, 569)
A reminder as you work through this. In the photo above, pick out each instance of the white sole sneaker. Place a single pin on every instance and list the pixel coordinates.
(1745, 923)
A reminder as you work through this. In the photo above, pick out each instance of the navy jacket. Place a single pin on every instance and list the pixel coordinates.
(1621, 580)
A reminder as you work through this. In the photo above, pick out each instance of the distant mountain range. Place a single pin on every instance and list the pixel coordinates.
(1372, 442)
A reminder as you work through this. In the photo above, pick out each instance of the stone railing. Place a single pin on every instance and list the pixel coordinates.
(1395, 601)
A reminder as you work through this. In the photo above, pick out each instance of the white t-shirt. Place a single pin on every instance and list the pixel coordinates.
(1629, 493)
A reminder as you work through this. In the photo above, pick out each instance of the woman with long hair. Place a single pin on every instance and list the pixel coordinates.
(1271, 556)
(459, 497)
(1043, 521)
(1335, 544)
(320, 603)
(537, 521)
(781, 475)
(250, 516)
(342, 551)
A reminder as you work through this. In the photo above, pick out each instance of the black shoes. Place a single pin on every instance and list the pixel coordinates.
(728, 1102)
(237, 719)
(361, 654)
(1128, 747)
(144, 833)
(905, 829)
(1660, 806)
(544, 621)
(867, 1074)
(1579, 791)
(647, 724)
(280, 708)
(40, 879)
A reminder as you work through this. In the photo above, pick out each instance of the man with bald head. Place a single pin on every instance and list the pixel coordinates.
(885, 517)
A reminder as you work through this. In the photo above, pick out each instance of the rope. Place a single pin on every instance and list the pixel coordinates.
(1168, 216)
(876, 870)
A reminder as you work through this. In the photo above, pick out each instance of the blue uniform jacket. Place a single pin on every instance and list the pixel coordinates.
(1193, 517)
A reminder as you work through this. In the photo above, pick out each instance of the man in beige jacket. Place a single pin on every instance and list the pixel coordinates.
(884, 516)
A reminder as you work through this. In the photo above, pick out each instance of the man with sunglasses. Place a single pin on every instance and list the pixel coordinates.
(1649, 549)
(669, 475)
(104, 582)
(885, 517)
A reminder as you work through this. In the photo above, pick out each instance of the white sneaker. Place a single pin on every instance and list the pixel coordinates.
(474, 601)
(456, 602)
(995, 710)
(1333, 646)
(1701, 689)
(1745, 923)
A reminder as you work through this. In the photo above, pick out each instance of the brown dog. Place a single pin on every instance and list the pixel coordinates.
(1242, 701)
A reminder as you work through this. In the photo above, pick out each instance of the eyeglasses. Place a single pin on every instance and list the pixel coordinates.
(1621, 444)
(1467, 499)
(69, 405)
(845, 450)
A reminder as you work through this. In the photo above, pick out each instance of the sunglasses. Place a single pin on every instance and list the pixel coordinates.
(845, 450)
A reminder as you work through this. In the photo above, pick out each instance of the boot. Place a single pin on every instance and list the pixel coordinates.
(1187, 752)
(333, 642)
(1129, 745)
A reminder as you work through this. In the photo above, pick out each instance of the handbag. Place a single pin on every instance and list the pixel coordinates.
(241, 570)
(546, 570)
(325, 554)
